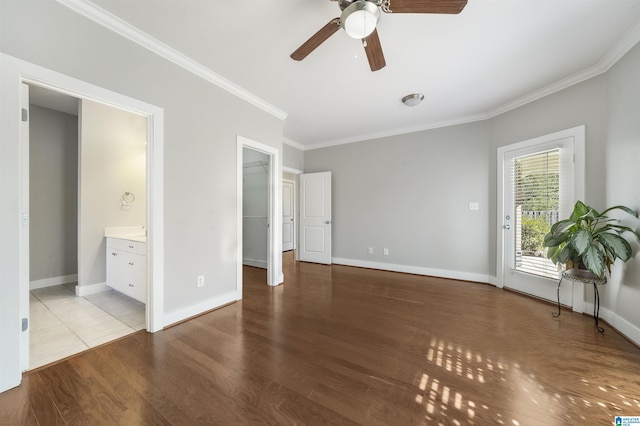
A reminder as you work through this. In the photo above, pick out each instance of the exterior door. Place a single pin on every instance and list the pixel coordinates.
(315, 218)
(538, 189)
(288, 222)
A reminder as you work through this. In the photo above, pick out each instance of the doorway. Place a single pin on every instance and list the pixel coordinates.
(539, 181)
(255, 208)
(288, 215)
(274, 210)
(16, 74)
(77, 168)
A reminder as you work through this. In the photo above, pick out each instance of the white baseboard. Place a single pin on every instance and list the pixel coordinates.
(418, 270)
(494, 281)
(257, 263)
(86, 290)
(623, 326)
(50, 282)
(191, 311)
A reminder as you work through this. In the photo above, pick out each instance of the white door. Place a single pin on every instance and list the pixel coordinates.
(24, 230)
(315, 218)
(538, 189)
(288, 222)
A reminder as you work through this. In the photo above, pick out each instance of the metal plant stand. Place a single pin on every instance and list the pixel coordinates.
(585, 277)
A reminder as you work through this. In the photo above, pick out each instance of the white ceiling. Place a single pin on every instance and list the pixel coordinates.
(53, 100)
(494, 56)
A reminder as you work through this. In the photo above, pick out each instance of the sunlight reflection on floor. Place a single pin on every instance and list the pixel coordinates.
(451, 369)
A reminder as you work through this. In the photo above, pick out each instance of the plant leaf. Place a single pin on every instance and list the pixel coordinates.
(623, 208)
(616, 245)
(561, 226)
(565, 254)
(579, 210)
(593, 259)
(551, 240)
(581, 241)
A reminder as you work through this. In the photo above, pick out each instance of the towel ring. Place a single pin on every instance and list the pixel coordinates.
(128, 197)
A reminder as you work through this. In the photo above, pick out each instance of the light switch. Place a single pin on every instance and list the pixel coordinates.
(473, 205)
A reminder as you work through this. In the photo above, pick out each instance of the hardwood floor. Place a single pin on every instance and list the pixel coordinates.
(341, 345)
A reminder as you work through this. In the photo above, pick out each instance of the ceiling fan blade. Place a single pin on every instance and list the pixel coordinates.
(425, 6)
(373, 48)
(316, 40)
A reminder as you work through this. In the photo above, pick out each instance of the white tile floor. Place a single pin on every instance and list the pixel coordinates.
(63, 324)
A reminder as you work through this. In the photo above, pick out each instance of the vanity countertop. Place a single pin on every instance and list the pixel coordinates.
(131, 233)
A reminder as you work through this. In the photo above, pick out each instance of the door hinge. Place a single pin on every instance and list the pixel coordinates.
(25, 324)
(25, 114)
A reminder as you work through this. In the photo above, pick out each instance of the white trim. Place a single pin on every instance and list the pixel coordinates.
(274, 239)
(621, 48)
(86, 290)
(579, 149)
(417, 270)
(123, 28)
(294, 144)
(623, 326)
(174, 317)
(291, 170)
(294, 206)
(13, 73)
(616, 52)
(118, 26)
(400, 131)
(493, 281)
(255, 263)
(53, 281)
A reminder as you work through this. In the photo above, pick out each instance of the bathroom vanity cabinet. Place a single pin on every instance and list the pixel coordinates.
(127, 267)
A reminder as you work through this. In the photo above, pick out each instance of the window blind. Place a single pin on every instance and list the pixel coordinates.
(538, 189)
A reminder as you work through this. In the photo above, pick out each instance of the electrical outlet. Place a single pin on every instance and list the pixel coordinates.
(386, 252)
(370, 250)
(200, 280)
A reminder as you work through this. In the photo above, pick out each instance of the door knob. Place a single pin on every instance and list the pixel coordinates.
(507, 227)
(327, 222)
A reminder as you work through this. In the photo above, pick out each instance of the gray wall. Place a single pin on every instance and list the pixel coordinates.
(201, 125)
(621, 162)
(53, 193)
(411, 194)
(112, 161)
(292, 157)
(581, 104)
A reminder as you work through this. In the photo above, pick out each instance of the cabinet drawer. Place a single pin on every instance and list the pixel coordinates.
(127, 273)
(126, 245)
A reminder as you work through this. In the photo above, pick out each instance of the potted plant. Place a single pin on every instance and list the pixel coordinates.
(589, 240)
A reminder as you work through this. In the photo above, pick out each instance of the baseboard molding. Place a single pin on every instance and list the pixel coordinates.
(86, 290)
(50, 282)
(620, 324)
(180, 315)
(256, 263)
(417, 270)
(494, 281)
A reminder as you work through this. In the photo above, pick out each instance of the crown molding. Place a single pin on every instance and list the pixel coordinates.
(294, 144)
(401, 131)
(119, 26)
(615, 53)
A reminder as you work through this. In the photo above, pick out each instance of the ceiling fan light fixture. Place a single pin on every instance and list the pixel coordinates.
(360, 18)
(413, 99)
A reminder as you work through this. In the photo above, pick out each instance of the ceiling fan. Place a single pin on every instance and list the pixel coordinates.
(360, 17)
